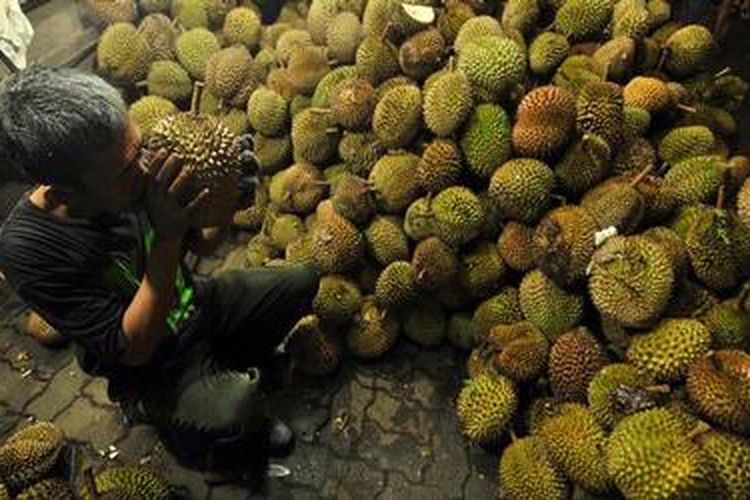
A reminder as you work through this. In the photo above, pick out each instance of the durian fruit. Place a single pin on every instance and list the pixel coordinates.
(434, 263)
(617, 202)
(670, 242)
(600, 112)
(631, 280)
(290, 41)
(475, 28)
(338, 246)
(353, 103)
(481, 270)
(4, 495)
(314, 136)
(686, 142)
(575, 72)
(160, 35)
(285, 228)
(486, 139)
(648, 93)
(631, 18)
(426, 323)
(493, 64)
(192, 14)
(694, 180)
(374, 331)
(451, 19)
(440, 167)
(47, 489)
(730, 459)
(520, 189)
(193, 49)
(353, 198)
(242, 26)
(551, 308)
(520, 15)
(386, 240)
(546, 52)
(30, 455)
(343, 37)
(319, 16)
(575, 357)
(460, 331)
(396, 286)
(520, 350)
(376, 60)
(235, 120)
(517, 248)
(398, 116)
(129, 482)
(218, 10)
(422, 54)
(419, 222)
(338, 299)
(635, 155)
(527, 472)
(616, 58)
(666, 352)
(545, 120)
(619, 390)
(485, 407)
(273, 153)
(635, 122)
(323, 356)
(718, 385)
(729, 324)
(649, 455)
(576, 445)
(210, 154)
(504, 308)
(395, 182)
(688, 50)
(297, 189)
(565, 238)
(226, 71)
(447, 103)
(148, 111)
(267, 112)
(169, 80)
(259, 251)
(583, 19)
(458, 215)
(154, 6)
(585, 164)
(123, 54)
(305, 68)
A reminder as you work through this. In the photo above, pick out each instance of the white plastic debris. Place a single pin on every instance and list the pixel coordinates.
(601, 236)
(278, 470)
(422, 14)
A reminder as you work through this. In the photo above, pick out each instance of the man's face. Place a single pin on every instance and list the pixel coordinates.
(115, 180)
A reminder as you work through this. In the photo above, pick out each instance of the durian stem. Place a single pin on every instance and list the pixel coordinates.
(142, 85)
(742, 298)
(559, 198)
(90, 483)
(451, 64)
(687, 109)
(699, 429)
(660, 389)
(664, 167)
(641, 176)
(320, 111)
(513, 436)
(720, 197)
(387, 28)
(333, 62)
(195, 103)
(332, 130)
(662, 58)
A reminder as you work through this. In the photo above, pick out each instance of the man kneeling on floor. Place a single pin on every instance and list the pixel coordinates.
(97, 247)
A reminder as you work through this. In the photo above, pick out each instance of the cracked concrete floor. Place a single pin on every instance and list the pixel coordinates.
(383, 430)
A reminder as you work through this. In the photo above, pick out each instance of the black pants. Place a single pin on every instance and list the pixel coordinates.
(208, 389)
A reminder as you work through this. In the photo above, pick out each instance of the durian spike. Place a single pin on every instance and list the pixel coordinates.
(699, 429)
(642, 175)
(195, 103)
(90, 483)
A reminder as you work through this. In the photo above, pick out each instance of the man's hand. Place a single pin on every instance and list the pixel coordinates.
(166, 200)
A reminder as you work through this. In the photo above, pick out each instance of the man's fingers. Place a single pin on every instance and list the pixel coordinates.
(156, 162)
(170, 171)
(177, 188)
(198, 202)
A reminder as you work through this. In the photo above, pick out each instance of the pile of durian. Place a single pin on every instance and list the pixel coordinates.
(31, 468)
(548, 185)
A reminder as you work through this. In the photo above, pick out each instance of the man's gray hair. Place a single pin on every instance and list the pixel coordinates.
(51, 118)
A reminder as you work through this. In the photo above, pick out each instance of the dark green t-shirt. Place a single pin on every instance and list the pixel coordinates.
(80, 276)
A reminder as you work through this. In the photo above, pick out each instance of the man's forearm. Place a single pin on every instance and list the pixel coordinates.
(145, 320)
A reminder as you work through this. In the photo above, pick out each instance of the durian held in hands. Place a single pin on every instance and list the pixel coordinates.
(211, 157)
